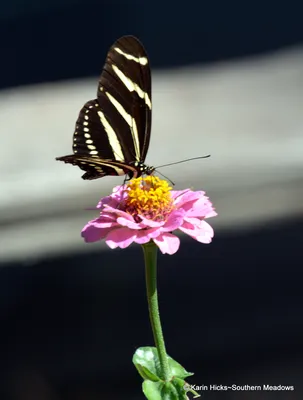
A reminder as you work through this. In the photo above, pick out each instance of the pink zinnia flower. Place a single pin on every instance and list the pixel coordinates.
(147, 209)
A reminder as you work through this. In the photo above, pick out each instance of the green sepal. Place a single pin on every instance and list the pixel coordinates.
(147, 362)
(185, 388)
(152, 390)
(146, 374)
(177, 370)
(163, 391)
(176, 389)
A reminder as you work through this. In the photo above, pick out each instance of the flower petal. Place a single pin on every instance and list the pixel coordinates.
(179, 193)
(120, 228)
(150, 223)
(202, 208)
(91, 233)
(167, 243)
(145, 235)
(211, 213)
(192, 221)
(207, 233)
(128, 222)
(120, 237)
(187, 197)
(118, 212)
(203, 233)
(174, 221)
(190, 229)
(114, 199)
(105, 221)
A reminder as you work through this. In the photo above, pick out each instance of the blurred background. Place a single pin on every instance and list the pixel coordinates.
(227, 80)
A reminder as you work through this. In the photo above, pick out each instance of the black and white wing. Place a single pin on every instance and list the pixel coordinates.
(112, 132)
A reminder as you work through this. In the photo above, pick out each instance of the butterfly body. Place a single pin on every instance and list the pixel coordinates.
(112, 132)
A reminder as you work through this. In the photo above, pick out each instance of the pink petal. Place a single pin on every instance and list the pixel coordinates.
(203, 233)
(178, 193)
(188, 206)
(207, 233)
(174, 221)
(120, 237)
(190, 229)
(192, 221)
(150, 223)
(113, 200)
(118, 212)
(127, 222)
(145, 235)
(142, 238)
(119, 193)
(211, 213)
(103, 201)
(118, 190)
(105, 221)
(201, 208)
(92, 233)
(154, 232)
(167, 243)
(187, 197)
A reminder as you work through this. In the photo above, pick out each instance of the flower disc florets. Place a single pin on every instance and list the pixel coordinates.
(147, 209)
(150, 198)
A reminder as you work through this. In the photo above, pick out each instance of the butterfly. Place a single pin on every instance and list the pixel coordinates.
(112, 132)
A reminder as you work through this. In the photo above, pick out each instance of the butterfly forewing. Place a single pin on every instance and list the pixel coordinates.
(126, 77)
(112, 132)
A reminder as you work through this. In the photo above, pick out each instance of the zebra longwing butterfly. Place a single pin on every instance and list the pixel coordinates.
(112, 132)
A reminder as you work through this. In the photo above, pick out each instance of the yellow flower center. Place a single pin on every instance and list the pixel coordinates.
(149, 197)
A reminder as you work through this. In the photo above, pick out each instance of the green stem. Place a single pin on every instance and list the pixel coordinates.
(150, 256)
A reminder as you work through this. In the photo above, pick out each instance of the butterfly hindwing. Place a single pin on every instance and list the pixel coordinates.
(90, 138)
(97, 168)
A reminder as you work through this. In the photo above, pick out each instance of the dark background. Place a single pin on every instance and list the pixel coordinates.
(232, 310)
(63, 41)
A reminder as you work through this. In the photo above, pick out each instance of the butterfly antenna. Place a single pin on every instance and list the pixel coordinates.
(179, 162)
(164, 176)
